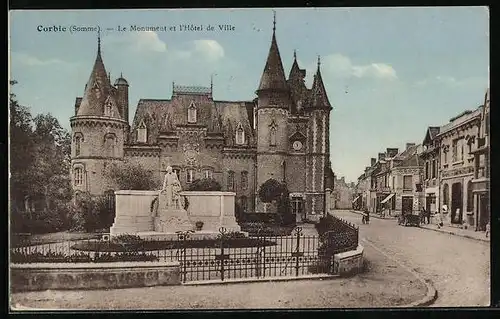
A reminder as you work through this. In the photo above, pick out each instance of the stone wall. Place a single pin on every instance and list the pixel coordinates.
(36, 277)
(133, 212)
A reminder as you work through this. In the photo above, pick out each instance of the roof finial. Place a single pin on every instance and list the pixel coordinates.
(99, 42)
(319, 60)
(211, 83)
(274, 21)
(295, 54)
(121, 74)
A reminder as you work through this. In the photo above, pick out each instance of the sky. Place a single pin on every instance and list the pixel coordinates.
(389, 72)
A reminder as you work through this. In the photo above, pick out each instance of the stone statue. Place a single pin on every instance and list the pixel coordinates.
(171, 188)
(170, 216)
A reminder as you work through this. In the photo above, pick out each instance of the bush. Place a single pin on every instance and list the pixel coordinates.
(231, 235)
(205, 184)
(129, 176)
(89, 213)
(270, 190)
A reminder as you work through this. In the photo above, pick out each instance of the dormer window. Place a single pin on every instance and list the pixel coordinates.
(240, 135)
(142, 133)
(95, 85)
(192, 113)
(108, 107)
(272, 134)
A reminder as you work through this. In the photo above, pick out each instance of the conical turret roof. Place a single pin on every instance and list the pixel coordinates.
(273, 76)
(97, 90)
(319, 98)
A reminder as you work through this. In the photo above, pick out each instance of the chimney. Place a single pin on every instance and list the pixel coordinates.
(408, 145)
(391, 152)
(381, 156)
(373, 161)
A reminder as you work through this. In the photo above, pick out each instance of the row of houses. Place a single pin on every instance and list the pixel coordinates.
(342, 194)
(447, 174)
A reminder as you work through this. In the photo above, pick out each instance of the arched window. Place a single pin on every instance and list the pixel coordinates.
(78, 139)
(470, 197)
(207, 173)
(142, 133)
(272, 134)
(230, 181)
(78, 176)
(110, 145)
(244, 180)
(192, 113)
(240, 135)
(446, 195)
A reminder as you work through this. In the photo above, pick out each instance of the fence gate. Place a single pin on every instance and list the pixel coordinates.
(269, 256)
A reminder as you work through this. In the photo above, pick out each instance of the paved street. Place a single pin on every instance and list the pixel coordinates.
(458, 267)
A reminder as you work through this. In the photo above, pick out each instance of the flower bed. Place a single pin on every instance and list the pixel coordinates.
(52, 257)
(263, 229)
(111, 246)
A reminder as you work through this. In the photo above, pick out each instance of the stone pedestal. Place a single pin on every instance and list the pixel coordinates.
(172, 220)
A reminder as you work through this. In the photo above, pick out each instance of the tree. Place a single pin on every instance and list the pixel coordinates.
(272, 190)
(128, 176)
(205, 184)
(21, 152)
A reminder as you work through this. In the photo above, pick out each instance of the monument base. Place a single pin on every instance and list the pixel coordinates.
(172, 220)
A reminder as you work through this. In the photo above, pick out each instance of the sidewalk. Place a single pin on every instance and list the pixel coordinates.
(468, 233)
(372, 215)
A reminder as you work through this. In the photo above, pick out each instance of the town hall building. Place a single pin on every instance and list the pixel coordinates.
(282, 134)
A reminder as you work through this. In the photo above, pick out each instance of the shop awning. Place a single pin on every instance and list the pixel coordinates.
(356, 198)
(387, 198)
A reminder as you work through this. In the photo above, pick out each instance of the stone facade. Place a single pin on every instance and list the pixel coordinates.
(430, 158)
(282, 134)
(342, 195)
(457, 141)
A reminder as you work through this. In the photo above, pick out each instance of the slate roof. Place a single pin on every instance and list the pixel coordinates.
(273, 76)
(318, 97)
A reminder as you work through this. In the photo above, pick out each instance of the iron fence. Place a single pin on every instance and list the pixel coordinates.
(226, 257)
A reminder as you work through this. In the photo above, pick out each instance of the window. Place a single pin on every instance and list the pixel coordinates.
(108, 107)
(461, 149)
(244, 203)
(78, 141)
(190, 175)
(78, 175)
(240, 135)
(394, 182)
(446, 195)
(207, 173)
(230, 181)
(110, 145)
(177, 172)
(470, 197)
(110, 199)
(407, 182)
(192, 113)
(244, 180)
(454, 148)
(142, 133)
(426, 170)
(445, 156)
(434, 168)
(272, 134)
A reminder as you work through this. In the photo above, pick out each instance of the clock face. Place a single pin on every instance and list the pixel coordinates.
(297, 145)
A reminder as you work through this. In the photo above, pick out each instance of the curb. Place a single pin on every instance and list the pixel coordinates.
(452, 233)
(253, 280)
(374, 216)
(432, 293)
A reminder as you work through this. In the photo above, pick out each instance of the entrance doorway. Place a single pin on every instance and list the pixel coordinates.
(298, 208)
(430, 203)
(484, 211)
(406, 204)
(456, 203)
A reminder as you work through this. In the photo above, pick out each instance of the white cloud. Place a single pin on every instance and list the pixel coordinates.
(210, 50)
(147, 41)
(30, 60)
(341, 66)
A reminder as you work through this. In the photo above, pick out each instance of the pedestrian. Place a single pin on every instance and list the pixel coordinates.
(487, 230)
(422, 216)
(428, 216)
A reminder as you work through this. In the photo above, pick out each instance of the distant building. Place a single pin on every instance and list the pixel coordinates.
(342, 194)
(458, 141)
(481, 181)
(430, 158)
